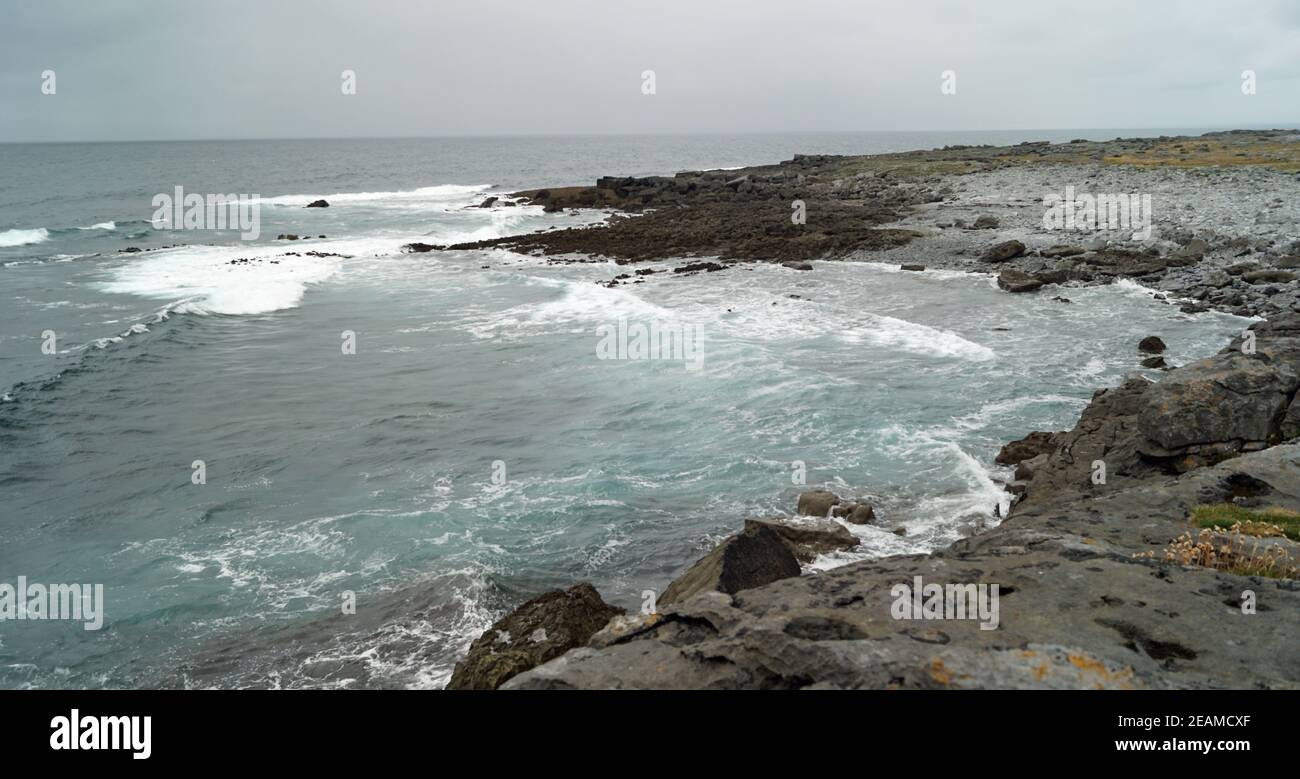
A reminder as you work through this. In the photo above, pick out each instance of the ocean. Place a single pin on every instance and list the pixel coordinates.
(476, 449)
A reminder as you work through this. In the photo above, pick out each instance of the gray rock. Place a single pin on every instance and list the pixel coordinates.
(1077, 610)
(1268, 276)
(1195, 249)
(1229, 398)
(1004, 251)
(986, 222)
(1025, 468)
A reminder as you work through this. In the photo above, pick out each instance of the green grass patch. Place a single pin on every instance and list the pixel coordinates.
(1265, 522)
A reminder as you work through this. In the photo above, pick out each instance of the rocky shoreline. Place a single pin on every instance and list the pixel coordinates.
(1224, 227)
(1105, 578)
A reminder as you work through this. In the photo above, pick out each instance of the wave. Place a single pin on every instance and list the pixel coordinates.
(448, 193)
(580, 307)
(894, 333)
(24, 237)
(101, 226)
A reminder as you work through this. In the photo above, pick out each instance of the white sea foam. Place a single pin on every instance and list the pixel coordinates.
(893, 333)
(579, 308)
(204, 281)
(446, 193)
(101, 226)
(23, 237)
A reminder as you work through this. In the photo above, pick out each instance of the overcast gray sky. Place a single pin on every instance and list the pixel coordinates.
(165, 69)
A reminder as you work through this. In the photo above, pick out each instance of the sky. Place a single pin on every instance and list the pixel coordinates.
(164, 69)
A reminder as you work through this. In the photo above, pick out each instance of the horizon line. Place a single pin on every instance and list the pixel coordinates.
(459, 136)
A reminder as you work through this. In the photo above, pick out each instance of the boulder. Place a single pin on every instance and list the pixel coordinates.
(537, 631)
(318, 204)
(911, 266)
(986, 222)
(806, 538)
(1004, 251)
(1151, 345)
(756, 556)
(1227, 399)
(797, 265)
(488, 203)
(1018, 281)
(1154, 362)
(1268, 276)
(817, 503)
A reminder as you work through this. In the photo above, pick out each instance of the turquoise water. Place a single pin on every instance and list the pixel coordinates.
(373, 473)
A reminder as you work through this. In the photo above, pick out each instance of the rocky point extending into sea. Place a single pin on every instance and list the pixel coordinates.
(1108, 571)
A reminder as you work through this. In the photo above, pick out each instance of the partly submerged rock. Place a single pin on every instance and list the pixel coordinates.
(808, 537)
(1018, 281)
(538, 630)
(861, 514)
(756, 556)
(817, 503)
(318, 204)
(1152, 345)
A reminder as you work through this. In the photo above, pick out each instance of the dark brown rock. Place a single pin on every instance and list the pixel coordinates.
(1018, 281)
(1032, 445)
(817, 503)
(538, 630)
(861, 514)
(756, 556)
(1151, 345)
(807, 537)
